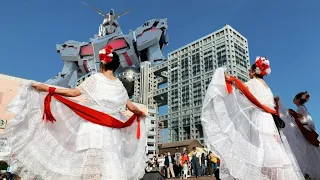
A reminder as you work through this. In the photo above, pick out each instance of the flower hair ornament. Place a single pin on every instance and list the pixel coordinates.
(105, 54)
(262, 66)
(305, 96)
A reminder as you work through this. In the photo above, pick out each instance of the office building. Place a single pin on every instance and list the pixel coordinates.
(190, 71)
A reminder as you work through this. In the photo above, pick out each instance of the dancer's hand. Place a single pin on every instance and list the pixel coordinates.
(226, 76)
(292, 112)
(277, 98)
(300, 116)
(40, 87)
(143, 114)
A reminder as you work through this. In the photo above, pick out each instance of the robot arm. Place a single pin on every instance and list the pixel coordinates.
(78, 60)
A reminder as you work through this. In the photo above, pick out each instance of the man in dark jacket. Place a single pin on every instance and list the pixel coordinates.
(168, 162)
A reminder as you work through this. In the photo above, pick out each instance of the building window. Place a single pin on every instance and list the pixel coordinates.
(185, 96)
(174, 76)
(174, 100)
(195, 64)
(208, 63)
(222, 58)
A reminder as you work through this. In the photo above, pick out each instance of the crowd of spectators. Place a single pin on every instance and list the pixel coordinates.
(186, 165)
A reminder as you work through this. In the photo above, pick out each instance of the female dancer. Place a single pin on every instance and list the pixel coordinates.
(299, 100)
(241, 130)
(302, 136)
(89, 141)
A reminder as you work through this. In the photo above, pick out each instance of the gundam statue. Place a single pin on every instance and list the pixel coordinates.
(81, 59)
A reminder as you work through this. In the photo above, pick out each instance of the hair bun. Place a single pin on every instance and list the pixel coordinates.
(305, 96)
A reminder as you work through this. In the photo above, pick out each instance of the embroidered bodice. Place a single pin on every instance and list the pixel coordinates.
(307, 120)
(261, 92)
(103, 94)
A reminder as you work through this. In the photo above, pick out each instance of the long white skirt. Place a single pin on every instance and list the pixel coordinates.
(308, 156)
(70, 148)
(245, 137)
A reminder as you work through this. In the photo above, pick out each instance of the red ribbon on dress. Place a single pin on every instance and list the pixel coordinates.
(245, 91)
(88, 114)
(311, 136)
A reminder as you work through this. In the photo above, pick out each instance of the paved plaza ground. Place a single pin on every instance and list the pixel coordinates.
(199, 178)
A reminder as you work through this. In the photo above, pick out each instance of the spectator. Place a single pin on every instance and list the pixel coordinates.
(209, 164)
(177, 165)
(161, 165)
(217, 171)
(185, 170)
(203, 164)
(214, 165)
(155, 161)
(195, 161)
(168, 162)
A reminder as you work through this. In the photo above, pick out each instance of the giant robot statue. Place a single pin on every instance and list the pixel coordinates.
(81, 59)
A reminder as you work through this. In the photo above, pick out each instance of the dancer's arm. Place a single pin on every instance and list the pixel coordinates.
(64, 92)
(293, 113)
(134, 109)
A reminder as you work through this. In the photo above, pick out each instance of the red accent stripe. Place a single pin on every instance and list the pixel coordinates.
(127, 59)
(117, 44)
(150, 29)
(85, 65)
(86, 50)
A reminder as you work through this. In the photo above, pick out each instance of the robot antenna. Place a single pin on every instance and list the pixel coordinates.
(119, 15)
(97, 10)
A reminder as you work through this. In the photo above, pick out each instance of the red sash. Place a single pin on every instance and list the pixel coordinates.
(245, 91)
(88, 114)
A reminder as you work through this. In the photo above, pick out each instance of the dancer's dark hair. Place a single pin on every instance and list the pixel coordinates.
(253, 69)
(113, 65)
(299, 97)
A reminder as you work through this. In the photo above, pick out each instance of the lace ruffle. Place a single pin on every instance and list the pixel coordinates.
(48, 151)
(307, 155)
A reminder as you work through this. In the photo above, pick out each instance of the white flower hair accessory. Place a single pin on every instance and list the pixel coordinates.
(305, 96)
(262, 66)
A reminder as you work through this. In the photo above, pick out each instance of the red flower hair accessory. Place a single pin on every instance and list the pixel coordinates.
(305, 96)
(105, 54)
(262, 66)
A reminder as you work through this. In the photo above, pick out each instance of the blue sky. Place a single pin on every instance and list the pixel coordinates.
(286, 31)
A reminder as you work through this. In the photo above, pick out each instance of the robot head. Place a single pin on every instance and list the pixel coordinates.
(110, 26)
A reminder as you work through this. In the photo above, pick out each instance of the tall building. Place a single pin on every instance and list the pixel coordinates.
(190, 71)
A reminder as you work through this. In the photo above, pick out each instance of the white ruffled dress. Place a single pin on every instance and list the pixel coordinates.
(73, 148)
(244, 136)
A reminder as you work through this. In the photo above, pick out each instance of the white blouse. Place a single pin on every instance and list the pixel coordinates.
(307, 120)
